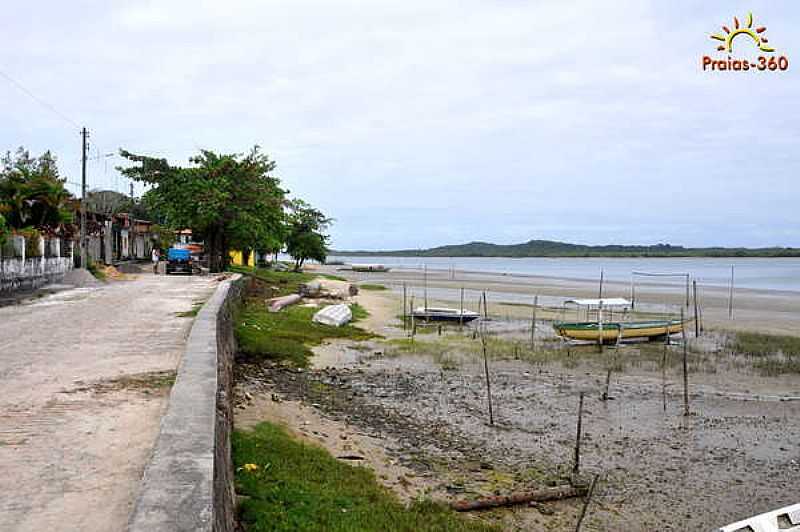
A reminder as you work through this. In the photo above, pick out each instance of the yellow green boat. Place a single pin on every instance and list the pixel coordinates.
(590, 330)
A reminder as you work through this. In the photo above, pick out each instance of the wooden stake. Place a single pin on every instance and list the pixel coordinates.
(664, 378)
(488, 383)
(533, 322)
(405, 309)
(600, 296)
(685, 371)
(425, 266)
(730, 297)
(461, 308)
(586, 503)
(577, 464)
(485, 306)
(687, 291)
(413, 322)
(600, 326)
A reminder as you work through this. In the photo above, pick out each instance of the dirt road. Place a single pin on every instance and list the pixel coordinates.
(85, 377)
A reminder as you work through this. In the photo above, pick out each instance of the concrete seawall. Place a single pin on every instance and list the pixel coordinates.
(188, 484)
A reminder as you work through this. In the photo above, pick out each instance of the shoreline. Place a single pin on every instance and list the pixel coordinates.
(756, 310)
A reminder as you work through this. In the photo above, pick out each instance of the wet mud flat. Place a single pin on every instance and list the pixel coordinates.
(733, 457)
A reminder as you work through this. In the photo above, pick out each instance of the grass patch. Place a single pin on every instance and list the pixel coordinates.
(299, 487)
(359, 312)
(772, 354)
(331, 277)
(288, 335)
(285, 283)
(375, 287)
(98, 271)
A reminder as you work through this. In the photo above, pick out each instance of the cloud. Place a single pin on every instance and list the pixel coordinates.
(416, 123)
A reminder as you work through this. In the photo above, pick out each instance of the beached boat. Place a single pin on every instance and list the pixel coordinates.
(444, 314)
(590, 330)
(369, 268)
(785, 519)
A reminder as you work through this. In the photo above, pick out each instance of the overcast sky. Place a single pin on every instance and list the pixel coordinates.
(419, 123)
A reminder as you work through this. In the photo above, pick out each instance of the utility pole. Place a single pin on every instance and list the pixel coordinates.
(131, 190)
(84, 255)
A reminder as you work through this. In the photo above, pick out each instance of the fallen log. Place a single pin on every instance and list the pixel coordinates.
(555, 493)
(277, 303)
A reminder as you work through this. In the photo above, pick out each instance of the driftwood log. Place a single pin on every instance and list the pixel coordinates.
(543, 495)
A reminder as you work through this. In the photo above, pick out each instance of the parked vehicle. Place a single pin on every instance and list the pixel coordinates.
(179, 261)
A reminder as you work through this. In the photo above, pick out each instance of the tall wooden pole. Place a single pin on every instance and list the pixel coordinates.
(601, 284)
(685, 371)
(405, 308)
(461, 310)
(696, 318)
(600, 326)
(533, 321)
(488, 382)
(577, 463)
(687, 291)
(426, 286)
(730, 297)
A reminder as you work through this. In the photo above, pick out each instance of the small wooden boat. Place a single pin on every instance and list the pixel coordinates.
(444, 314)
(590, 330)
(369, 268)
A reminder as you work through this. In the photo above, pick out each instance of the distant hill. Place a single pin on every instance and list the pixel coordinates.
(549, 248)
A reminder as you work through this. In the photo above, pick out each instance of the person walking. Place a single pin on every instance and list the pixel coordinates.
(155, 257)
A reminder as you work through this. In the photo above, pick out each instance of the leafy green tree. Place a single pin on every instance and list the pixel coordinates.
(32, 193)
(3, 230)
(306, 238)
(233, 201)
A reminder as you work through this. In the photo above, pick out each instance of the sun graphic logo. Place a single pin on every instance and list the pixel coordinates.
(747, 30)
(739, 33)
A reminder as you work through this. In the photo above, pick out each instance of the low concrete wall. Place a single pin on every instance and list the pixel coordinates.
(30, 273)
(188, 484)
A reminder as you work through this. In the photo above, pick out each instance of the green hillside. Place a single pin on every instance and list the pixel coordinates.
(548, 248)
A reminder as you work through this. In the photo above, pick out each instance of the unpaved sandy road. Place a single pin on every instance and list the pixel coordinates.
(84, 376)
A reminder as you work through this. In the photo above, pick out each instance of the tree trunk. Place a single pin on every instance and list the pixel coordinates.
(225, 251)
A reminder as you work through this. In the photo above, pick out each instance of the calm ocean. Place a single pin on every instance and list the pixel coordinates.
(758, 273)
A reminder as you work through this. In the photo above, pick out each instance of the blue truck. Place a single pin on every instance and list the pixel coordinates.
(179, 261)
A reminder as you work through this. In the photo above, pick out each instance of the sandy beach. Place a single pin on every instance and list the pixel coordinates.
(416, 410)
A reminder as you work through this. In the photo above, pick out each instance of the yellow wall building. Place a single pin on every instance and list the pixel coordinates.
(237, 258)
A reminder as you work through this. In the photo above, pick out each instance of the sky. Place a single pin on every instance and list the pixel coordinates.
(421, 123)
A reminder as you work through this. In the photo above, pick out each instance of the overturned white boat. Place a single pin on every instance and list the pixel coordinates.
(334, 315)
(782, 520)
(444, 314)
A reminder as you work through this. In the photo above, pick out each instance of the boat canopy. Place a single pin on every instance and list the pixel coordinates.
(606, 302)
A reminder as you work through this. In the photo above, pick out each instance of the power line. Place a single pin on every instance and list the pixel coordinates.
(38, 100)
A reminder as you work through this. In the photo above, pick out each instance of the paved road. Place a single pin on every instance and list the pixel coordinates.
(82, 393)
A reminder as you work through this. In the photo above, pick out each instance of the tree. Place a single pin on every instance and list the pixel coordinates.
(306, 238)
(32, 194)
(232, 201)
(3, 231)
